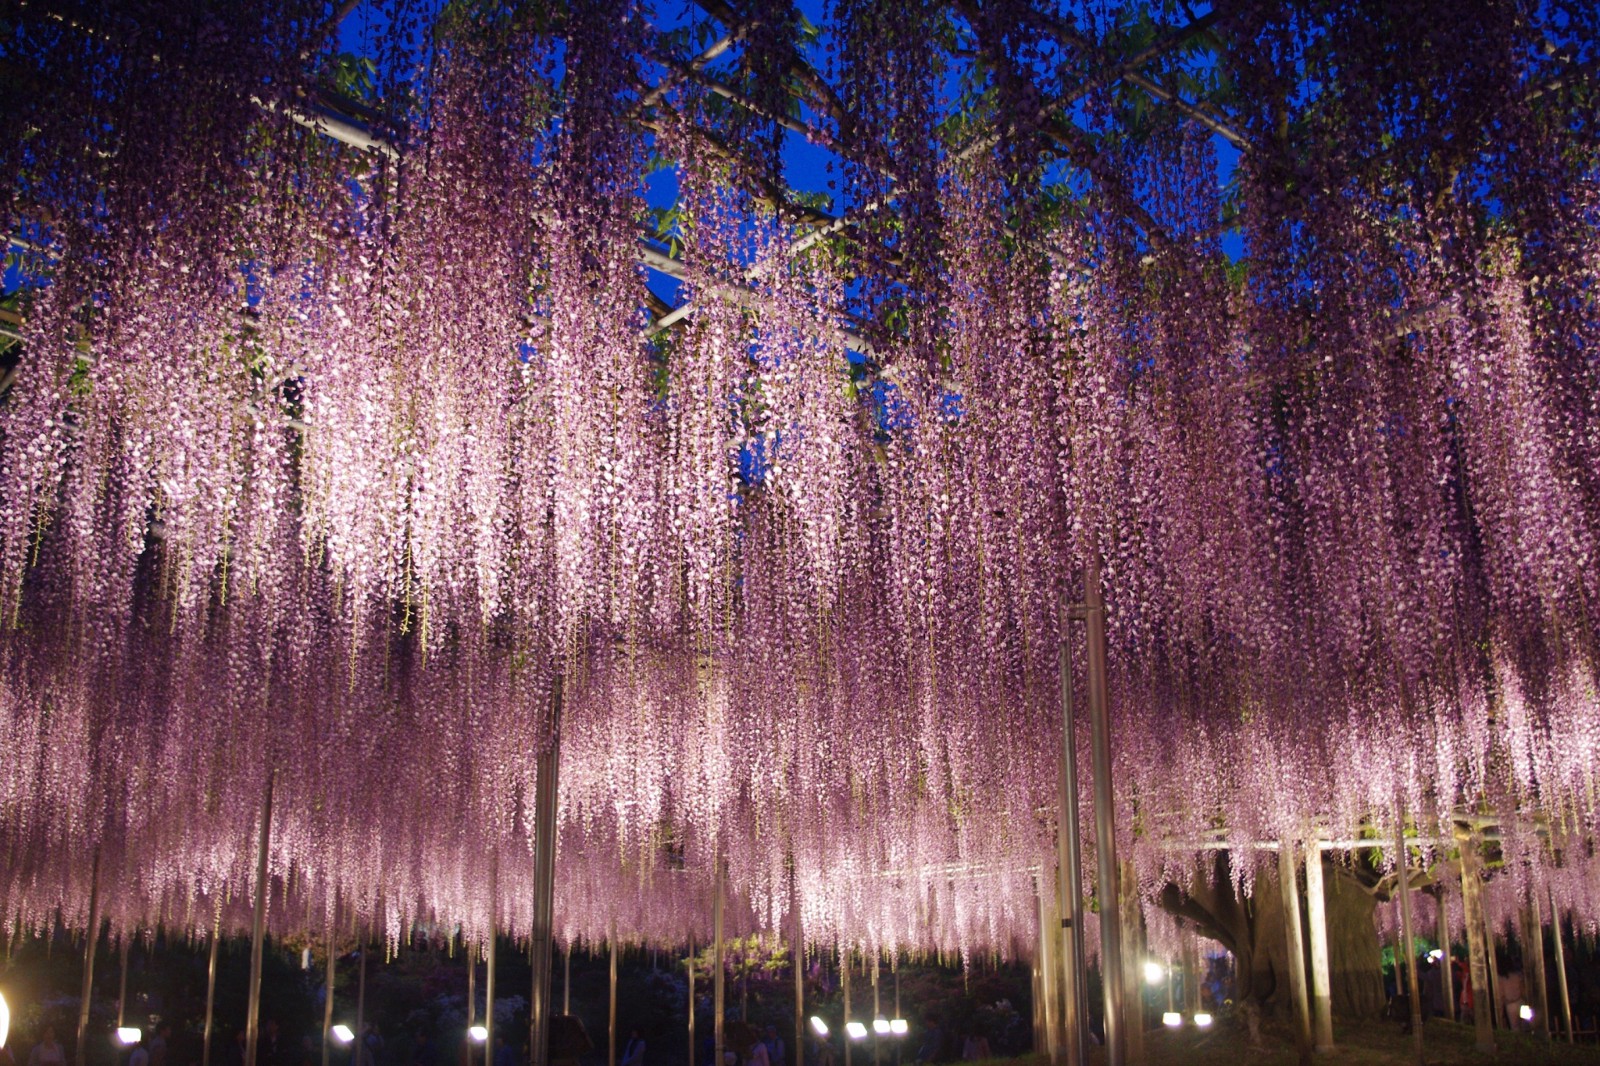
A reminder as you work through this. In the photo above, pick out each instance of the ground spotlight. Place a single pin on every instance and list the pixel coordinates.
(899, 1026)
(342, 1033)
(1525, 1012)
(128, 1035)
(1154, 973)
(1172, 1019)
(479, 1033)
(1202, 1019)
(856, 1030)
(5, 1020)
(819, 1026)
(880, 1025)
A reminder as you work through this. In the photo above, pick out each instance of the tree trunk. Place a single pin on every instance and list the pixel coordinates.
(1252, 929)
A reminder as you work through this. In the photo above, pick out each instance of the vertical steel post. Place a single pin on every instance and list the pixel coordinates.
(1407, 944)
(258, 930)
(844, 980)
(91, 938)
(1317, 920)
(489, 958)
(211, 993)
(1447, 975)
(1069, 861)
(359, 1046)
(1049, 973)
(1288, 884)
(544, 882)
(122, 982)
(1533, 964)
(1561, 967)
(718, 975)
(611, 1024)
(1105, 824)
(327, 999)
(566, 980)
(797, 960)
(693, 1051)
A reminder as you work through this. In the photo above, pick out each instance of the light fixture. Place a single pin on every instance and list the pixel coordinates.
(899, 1026)
(1202, 1019)
(880, 1025)
(1172, 1019)
(1435, 955)
(479, 1033)
(819, 1026)
(5, 1020)
(342, 1033)
(855, 1030)
(1525, 1012)
(128, 1035)
(1154, 973)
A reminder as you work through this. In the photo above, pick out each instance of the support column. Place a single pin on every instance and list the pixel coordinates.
(1321, 982)
(1561, 968)
(718, 972)
(1191, 974)
(1447, 977)
(358, 1052)
(327, 999)
(1533, 965)
(566, 980)
(211, 997)
(1407, 943)
(1288, 885)
(1105, 825)
(1049, 970)
(844, 980)
(1069, 891)
(489, 957)
(472, 989)
(611, 1024)
(258, 930)
(125, 942)
(694, 1052)
(541, 937)
(1134, 951)
(90, 940)
(797, 959)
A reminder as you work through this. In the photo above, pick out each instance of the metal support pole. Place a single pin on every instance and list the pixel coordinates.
(1407, 944)
(877, 1011)
(1478, 965)
(693, 1051)
(327, 998)
(90, 939)
(211, 994)
(122, 982)
(566, 980)
(1447, 977)
(544, 882)
(258, 930)
(844, 980)
(611, 1025)
(1317, 920)
(718, 974)
(472, 987)
(1105, 824)
(1049, 972)
(797, 960)
(1288, 884)
(1561, 968)
(1069, 892)
(1133, 949)
(489, 957)
(358, 1049)
(1533, 964)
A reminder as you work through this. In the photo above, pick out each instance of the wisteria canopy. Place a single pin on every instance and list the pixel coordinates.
(370, 370)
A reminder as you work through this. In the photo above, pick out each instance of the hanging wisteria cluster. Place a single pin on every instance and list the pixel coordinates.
(325, 455)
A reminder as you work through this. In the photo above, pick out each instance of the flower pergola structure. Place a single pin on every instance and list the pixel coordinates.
(356, 398)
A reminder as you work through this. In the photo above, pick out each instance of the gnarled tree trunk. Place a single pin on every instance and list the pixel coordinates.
(1252, 929)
